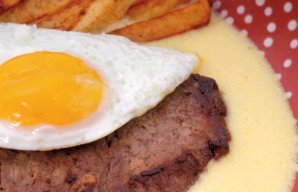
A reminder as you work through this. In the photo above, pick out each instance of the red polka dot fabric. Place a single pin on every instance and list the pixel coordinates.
(273, 26)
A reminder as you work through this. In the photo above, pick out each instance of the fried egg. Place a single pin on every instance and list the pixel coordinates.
(61, 89)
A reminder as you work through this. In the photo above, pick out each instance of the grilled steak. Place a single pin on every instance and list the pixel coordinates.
(163, 150)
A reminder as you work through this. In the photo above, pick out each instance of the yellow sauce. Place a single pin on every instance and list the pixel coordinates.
(262, 155)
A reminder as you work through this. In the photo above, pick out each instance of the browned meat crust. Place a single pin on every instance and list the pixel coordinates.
(164, 150)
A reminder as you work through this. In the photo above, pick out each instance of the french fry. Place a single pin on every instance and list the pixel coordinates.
(29, 10)
(152, 8)
(102, 13)
(66, 18)
(6, 4)
(189, 17)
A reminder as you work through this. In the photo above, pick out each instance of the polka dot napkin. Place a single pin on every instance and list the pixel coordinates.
(273, 27)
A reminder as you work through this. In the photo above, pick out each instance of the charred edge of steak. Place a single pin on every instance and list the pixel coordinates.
(179, 173)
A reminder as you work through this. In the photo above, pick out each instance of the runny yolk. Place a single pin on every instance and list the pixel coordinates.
(48, 88)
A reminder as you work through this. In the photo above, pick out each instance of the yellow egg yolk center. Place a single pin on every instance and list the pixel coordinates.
(48, 88)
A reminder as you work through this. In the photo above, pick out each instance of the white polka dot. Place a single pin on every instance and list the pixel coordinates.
(240, 9)
(268, 11)
(223, 13)
(271, 27)
(294, 43)
(278, 76)
(216, 5)
(260, 2)
(287, 63)
(289, 94)
(288, 6)
(292, 25)
(230, 20)
(244, 32)
(268, 42)
(248, 19)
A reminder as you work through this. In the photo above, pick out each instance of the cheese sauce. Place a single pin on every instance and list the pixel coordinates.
(262, 155)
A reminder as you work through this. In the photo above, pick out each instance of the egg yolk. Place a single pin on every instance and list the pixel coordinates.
(48, 88)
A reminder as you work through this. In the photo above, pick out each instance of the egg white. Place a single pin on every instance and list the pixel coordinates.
(137, 79)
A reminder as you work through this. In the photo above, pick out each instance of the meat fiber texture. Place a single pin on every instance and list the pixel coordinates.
(164, 150)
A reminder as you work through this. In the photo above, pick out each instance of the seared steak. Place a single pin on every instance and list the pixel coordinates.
(163, 150)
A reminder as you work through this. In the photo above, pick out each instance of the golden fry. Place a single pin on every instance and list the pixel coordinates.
(102, 13)
(189, 17)
(67, 17)
(152, 8)
(6, 4)
(30, 10)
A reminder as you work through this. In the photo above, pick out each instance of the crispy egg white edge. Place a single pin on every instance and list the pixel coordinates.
(152, 71)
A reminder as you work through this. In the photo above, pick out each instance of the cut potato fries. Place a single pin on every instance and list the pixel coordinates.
(102, 13)
(66, 18)
(29, 10)
(139, 20)
(5, 4)
(189, 17)
(152, 8)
